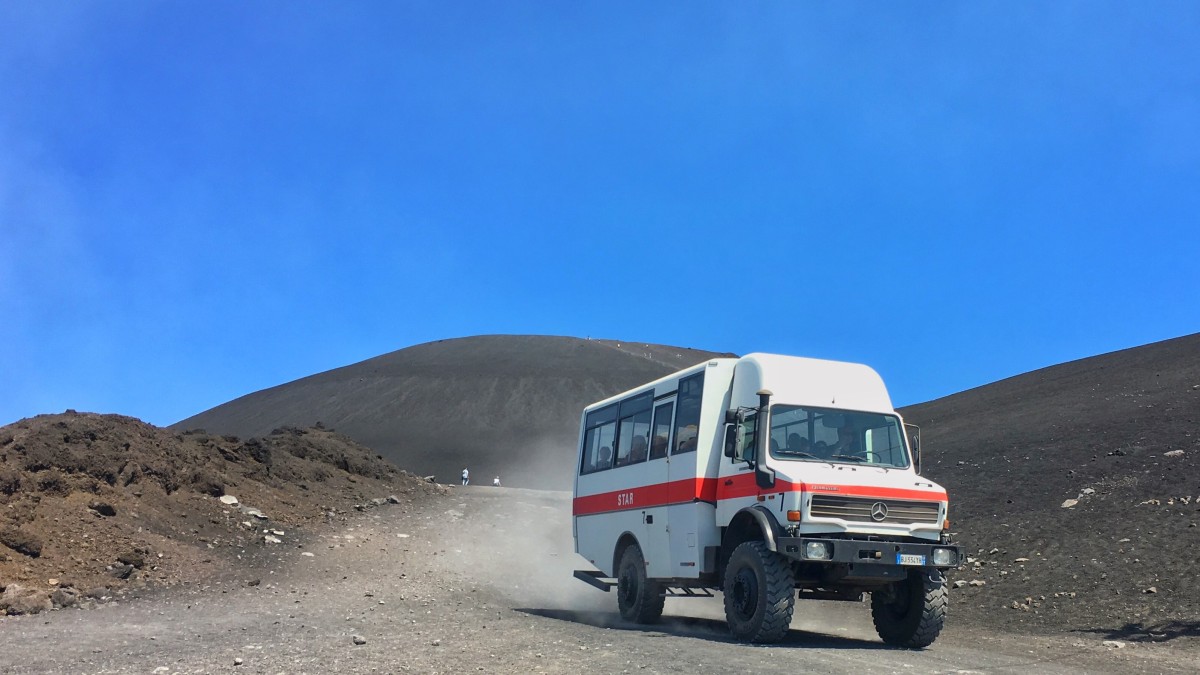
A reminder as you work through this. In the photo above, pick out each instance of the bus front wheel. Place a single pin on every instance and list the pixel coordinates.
(639, 599)
(912, 612)
(759, 593)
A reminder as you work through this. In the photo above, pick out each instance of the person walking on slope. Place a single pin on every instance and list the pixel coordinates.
(466, 477)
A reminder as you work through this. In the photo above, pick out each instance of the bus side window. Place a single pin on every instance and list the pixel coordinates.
(598, 440)
(662, 430)
(687, 419)
(748, 438)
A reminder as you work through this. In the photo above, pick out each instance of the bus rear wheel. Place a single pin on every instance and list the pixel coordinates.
(911, 613)
(639, 599)
(760, 593)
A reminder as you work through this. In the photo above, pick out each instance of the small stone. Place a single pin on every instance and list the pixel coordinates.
(960, 583)
(271, 539)
(1173, 453)
(1114, 644)
(1152, 589)
(238, 661)
(1069, 503)
(994, 551)
(359, 640)
(1088, 491)
(229, 500)
(393, 499)
(436, 643)
(977, 582)
(307, 554)
(52, 582)
(1021, 560)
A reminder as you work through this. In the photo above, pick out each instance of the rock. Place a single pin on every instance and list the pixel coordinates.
(1152, 589)
(1069, 503)
(1113, 644)
(254, 582)
(393, 499)
(993, 551)
(134, 558)
(121, 571)
(378, 501)
(272, 539)
(359, 640)
(21, 541)
(1087, 491)
(20, 600)
(307, 554)
(64, 597)
(52, 582)
(977, 582)
(238, 661)
(254, 513)
(103, 508)
(229, 500)
(1021, 560)
(1173, 453)
(960, 583)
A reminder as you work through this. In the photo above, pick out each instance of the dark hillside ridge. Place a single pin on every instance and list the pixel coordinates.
(1120, 434)
(505, 405)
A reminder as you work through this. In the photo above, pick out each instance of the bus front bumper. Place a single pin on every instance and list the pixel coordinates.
(874, 553)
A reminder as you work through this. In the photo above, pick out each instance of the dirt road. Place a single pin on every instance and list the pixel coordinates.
(480, 580)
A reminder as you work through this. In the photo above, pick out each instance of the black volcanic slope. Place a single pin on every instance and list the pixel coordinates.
(1119, 433)
(497, 404)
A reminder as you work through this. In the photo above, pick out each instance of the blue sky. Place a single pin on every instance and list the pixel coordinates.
(203, 199)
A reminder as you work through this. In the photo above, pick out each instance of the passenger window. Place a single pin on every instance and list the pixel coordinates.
(687, 419)
(662, 431)
(633, 445)
(598, 440)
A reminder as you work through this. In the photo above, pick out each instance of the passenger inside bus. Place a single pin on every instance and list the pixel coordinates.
(638, 452)
(658, 447)
(604, 461)
(847, 443)
(798, 445)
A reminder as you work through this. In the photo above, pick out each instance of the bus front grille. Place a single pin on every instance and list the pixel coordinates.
(868, 510)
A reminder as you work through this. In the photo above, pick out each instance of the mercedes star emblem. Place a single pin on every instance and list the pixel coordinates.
(878, 511)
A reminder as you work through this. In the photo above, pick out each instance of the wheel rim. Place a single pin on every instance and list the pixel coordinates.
(627, 585)
(745, 593)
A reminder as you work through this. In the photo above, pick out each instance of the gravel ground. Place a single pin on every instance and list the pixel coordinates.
(479, 581)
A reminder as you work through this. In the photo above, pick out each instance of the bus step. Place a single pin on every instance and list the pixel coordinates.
(686, 592)
(846, 596)
(596, 579)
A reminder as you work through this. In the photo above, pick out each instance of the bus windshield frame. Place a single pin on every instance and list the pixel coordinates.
(814, 434)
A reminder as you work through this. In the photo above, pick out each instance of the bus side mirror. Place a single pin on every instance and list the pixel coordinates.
(733, 441)
(914, 442)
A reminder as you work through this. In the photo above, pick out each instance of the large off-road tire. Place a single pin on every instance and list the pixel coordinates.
(639, 599)
(760, 593)
(912, 612)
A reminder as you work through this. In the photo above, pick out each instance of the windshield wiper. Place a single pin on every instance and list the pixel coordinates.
(853, 458)
(795, 453)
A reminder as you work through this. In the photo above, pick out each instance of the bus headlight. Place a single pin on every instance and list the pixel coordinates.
(817, 550)
(943, 557)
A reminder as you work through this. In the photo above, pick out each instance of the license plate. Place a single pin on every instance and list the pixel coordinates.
(909, 559)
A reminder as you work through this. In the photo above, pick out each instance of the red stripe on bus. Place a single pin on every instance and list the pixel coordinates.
(732, 487)
(646, 496)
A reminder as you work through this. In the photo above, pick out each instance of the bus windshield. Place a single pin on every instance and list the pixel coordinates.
(800, 433)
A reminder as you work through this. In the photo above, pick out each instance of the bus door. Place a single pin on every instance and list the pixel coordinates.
(655, 543)
(686, 477)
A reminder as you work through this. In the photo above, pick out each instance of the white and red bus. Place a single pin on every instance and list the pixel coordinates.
(768, 478)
